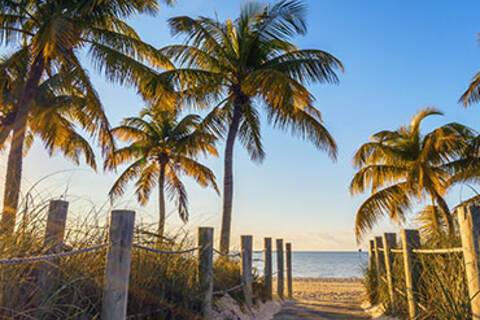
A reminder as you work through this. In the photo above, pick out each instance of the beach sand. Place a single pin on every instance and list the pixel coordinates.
(325, 299)
(328, 290)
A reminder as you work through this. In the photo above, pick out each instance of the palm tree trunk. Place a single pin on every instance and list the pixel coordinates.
(161, 202)
(15, 156)
(228, 180)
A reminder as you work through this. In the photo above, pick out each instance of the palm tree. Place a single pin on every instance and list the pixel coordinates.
(246, 65)
(472, 94)
(161, 149)
(404, 166)
(55, 33)
(59, 106)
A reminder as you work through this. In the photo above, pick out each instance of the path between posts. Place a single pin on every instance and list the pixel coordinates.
(324, 299)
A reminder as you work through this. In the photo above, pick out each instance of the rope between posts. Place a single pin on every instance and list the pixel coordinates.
(230, 255)
(229, 290)
(48, 257)
(439, 251)
(430, 251)
(139, 246)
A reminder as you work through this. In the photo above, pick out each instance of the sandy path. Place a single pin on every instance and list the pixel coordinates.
(324, 299)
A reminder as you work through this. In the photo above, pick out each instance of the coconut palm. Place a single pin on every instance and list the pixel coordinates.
(404, 166)
(59, 106)
(241, 67)
(55, 33)
(161, 148)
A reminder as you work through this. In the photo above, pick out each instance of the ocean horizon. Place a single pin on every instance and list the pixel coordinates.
(321, 264)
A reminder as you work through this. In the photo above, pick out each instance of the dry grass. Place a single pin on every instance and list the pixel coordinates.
(161, 286)
(442, 291)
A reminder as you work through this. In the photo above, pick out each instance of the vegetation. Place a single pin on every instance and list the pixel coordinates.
(161, 286)
(161, 149)
(442, 288)
(237, 67)
(54, 33)
(232, 72)
(404, 166)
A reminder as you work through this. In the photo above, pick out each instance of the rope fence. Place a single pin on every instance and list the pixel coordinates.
(227, 255)
(118, 261)
(438, 251)
(381, 261)
(50, 257)
(426, 251)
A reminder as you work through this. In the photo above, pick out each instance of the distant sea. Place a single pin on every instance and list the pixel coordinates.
(321, 264)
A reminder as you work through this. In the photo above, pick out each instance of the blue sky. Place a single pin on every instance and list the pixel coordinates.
(399, 56)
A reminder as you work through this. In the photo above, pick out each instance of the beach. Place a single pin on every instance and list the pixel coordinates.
(328, 289)
(325, 298)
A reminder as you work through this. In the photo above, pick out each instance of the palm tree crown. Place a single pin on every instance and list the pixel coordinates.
(161, 148)
(249, 64)
(54, 33)
(404, 166)
(59, 107)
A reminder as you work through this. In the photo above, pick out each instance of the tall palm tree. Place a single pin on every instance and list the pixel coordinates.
(161, 148)
(55, 33)
(241, 67)
(59, 106)
(404, 166)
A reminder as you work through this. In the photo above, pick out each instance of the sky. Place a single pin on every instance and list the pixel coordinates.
(399, 57)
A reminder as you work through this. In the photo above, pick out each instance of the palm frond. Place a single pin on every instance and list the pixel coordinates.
(392, 201)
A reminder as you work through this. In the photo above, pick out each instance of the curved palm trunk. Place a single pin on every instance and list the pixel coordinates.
(228, 180)
(161, 202)
(15, 156)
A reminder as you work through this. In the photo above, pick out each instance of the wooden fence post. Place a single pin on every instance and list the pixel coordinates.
(469, 223)
(280, 269)
(288, 249)
(52, 243)
(410, 241)
(371, 254)
(267, 271)
(205, 269)
(56, 222)
(48, 274)
(247, 248)
(379, 261)
(119, 258)
(389, 242)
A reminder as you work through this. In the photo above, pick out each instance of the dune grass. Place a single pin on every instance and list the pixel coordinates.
(161, 286)
(442, 291)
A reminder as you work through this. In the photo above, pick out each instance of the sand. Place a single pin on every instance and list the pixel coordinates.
(329, 290)
(313, 298)
(325, 299)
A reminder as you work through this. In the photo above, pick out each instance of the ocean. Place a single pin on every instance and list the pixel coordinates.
(321, 264)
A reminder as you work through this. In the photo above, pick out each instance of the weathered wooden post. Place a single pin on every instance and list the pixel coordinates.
(54, 236)
(379, 261)
(267, 271)
(469, 223)
(371, 254)
(410, 241)
(119, 258)
(56, 222)
(288, 249)
(280, 269)
(205, 269)
(389, 242)
(247, 277)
